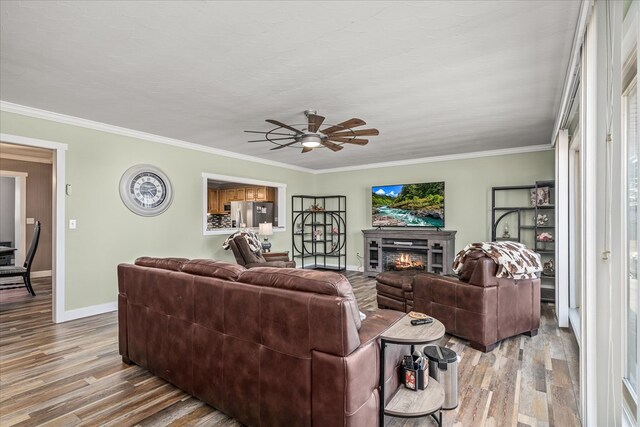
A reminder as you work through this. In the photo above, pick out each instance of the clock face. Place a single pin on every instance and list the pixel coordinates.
(148, 190)
(145, 190)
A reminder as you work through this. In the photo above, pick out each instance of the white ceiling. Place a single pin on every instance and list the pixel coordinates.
(435, 78)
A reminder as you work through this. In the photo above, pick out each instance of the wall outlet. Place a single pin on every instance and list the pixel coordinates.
(72, 224)
(31, 221)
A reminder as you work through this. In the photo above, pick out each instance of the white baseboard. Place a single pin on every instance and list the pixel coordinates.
(92, 310)
(43, 273)
(574, 322)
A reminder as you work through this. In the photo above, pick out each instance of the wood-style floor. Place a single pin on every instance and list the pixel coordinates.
(71, 374)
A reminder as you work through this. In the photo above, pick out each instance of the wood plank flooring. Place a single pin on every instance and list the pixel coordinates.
(71, 374)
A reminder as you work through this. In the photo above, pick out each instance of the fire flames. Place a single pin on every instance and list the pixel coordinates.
(404, 262)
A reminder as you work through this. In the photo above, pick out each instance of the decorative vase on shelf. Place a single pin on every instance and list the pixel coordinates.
(334, 239)
(505, 233)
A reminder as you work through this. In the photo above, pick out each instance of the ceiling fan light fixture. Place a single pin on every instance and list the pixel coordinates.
(310, 141)
(332, 136)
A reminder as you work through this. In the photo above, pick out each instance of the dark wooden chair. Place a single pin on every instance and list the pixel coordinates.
(25, 270)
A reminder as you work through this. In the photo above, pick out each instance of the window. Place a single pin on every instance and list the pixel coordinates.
(630, 104)
(231, 202)
(631, 162)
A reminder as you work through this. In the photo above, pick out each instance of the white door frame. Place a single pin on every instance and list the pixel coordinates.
(574, 149)
(562, 232)
(58, 232)
(20, 213)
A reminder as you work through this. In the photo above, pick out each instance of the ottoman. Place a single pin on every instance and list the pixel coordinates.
(395, 289)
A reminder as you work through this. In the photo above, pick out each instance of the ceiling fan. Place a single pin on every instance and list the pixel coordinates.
(311, 136)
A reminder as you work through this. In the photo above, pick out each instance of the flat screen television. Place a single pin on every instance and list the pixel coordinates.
(408, 205)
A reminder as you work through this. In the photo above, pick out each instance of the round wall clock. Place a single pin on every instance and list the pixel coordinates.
(146, 190)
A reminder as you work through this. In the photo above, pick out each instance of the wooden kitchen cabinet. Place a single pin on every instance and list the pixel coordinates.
(235, 194)
(270, 194)
(213, 201)
(259, 194)
(250, 194)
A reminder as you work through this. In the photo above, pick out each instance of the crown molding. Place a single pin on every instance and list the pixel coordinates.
(22, 158)
(90, 124)
(445, 158)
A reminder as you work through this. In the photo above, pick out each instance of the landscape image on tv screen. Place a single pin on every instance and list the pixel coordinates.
(408, 205)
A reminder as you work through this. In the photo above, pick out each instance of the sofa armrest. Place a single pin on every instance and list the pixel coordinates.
(345, 388)
(376, 323)
(276, 256)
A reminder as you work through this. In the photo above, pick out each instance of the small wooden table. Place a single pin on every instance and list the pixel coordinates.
(408, 403)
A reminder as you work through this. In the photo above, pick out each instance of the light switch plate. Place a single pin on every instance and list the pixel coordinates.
(72, 224)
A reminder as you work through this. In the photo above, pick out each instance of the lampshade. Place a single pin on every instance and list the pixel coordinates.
(310, 141)
(265, 229)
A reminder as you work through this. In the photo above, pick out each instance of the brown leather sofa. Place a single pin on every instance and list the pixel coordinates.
(478, 306)
(267, 346)
(249, 259)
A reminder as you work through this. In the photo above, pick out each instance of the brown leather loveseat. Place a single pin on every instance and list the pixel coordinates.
(479, 306)
(268, 346)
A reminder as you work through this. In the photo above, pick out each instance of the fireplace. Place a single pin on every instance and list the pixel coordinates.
(404, 259)
(401, 249)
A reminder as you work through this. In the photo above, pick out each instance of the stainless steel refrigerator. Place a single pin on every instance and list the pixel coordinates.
(253, 213)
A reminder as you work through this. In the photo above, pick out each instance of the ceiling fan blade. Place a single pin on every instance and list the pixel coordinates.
(362, 132)
(270, 133)
(284, 145)
(351, 123)
(306, 149)
(272, 139)
(282, 125)
(331, 146)
(357, 141)
(314, 122)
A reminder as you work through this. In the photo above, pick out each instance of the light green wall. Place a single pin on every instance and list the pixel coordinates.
(108, 233)
(467, 191)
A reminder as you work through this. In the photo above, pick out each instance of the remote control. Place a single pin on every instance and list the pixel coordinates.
(422, 321)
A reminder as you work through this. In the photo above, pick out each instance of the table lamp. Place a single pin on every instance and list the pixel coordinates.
(266, 229)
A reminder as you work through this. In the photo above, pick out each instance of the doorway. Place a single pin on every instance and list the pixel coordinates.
(56, 214)
(13, 216)
(26, 176)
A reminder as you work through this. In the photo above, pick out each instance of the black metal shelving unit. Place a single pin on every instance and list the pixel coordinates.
(319, 231)
(524, 211)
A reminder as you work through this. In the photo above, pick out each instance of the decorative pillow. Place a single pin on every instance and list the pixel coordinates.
(250, 236)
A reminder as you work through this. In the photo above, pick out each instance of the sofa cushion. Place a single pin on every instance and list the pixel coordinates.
(174, 264)
(319, 282)
(211, 268)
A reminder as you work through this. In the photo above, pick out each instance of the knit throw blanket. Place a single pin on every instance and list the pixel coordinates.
(252, 240)
(514, 259)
